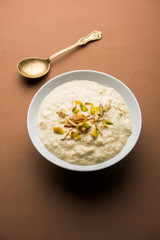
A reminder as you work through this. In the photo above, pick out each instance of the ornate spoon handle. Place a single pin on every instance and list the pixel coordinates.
(93, 36)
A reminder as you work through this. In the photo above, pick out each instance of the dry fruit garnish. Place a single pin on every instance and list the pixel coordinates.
(87, 103)
(94, 133)
(78, 137)
(96, 117)
(83, 127)
(66, 134)
(71, 122)
(77, 102)
(92, 110)
(86, 125)
(105, 124)
(82, 123)
(120, 109)
(100, 110)
(83, 108)
(75, 135)
(78, 118)
(108, 122)
(98, 128)
(75, 111)
(61, 114)
(74, 105)
(58, 130)
(96, 109)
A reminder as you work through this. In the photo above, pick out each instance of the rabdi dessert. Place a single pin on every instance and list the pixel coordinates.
(83, 122)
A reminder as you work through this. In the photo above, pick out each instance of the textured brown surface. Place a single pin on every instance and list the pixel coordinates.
(39, 200)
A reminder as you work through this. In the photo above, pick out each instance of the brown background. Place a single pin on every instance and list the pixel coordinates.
(39, 200)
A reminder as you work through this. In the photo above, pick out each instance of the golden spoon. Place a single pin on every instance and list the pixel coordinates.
(38, 67)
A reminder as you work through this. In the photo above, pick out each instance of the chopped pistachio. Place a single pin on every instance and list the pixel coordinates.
(94, 133)
(73, 134)
(87, 103)
(105, 124)
(96, 109)
(98, 128)
(78, 137)
(78, 102)
(79, 125)
(83, 130)
(58, 130)
(75, 111)
(74, 106)
(83, 108)
(86, 125)
(61, 114)
(108, 122)
(120, 109)
(92, 110)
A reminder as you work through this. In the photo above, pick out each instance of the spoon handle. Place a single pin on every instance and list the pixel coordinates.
(95, 35)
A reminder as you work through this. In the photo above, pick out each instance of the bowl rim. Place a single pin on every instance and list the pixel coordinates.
(74, 167)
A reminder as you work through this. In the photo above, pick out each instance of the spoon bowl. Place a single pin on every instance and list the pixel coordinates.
(33, 67)
(38, 67)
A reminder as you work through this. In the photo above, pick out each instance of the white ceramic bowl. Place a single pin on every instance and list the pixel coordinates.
(100, 78)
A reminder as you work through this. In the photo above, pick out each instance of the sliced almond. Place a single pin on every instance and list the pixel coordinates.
(66, 122)
(62, 121)
(72, 123)
(96, 117)
(66, 135)
(100, 119)
(100, 109)
(68, 126)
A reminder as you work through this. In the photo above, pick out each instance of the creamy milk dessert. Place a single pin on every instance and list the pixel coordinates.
(84, 123)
